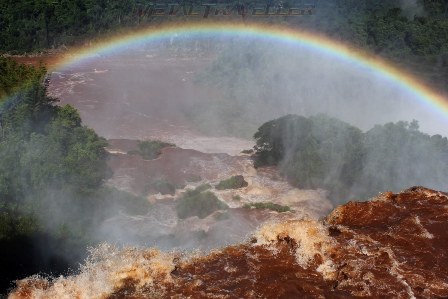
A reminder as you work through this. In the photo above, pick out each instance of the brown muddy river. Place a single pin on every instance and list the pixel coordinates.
(142, 96)
(145, 96)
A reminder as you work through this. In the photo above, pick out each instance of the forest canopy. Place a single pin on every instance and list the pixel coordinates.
(15, 76)
(384, 27)
(52, 174)
(323, 152)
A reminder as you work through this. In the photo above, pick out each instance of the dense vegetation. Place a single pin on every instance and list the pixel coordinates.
(234, 182)
(14, 76)
(267, 206)
(406, 31)
(413, 34)
(27, 26)
(52, 171)
(150, 149)
(199, 202)
(323, 152)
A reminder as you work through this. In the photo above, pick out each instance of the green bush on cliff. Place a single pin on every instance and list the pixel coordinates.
(15, 76)
(150, 149)
(323, 152)
(235, 182)
(200, 204)
(52, 174)
(268, 206)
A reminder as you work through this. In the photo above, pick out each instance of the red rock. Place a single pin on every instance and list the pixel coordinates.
(393, 246)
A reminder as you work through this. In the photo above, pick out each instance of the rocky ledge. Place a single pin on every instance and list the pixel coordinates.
(393, 246)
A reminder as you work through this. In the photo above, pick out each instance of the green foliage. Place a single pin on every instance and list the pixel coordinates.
(382, 27)
(13, 223)
(35, 25)
(268, 206)
(312, 152)
(161, 186)
(202, 188)
(61, 152)
(14, 76)
(323, 152)
(150, 150)
(49, 161)
(200, 204)
(386, 27)
(235, 182)
(52, 171)
(416, 38)
(398, 156)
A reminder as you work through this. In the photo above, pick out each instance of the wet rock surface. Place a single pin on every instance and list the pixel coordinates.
(393, 246)
(161, 226)
(175, 165)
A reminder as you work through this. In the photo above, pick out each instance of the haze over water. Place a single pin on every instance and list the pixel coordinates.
(179, 89)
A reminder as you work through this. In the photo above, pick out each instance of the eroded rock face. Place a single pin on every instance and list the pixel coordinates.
(393, 246)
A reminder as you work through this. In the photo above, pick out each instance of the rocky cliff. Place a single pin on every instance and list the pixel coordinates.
(393, 246)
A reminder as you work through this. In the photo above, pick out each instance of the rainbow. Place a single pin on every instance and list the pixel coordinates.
(313, 41)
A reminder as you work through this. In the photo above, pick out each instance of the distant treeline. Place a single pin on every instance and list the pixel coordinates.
(414, 34)
(382, 26)
(52, 174)
(323, 152)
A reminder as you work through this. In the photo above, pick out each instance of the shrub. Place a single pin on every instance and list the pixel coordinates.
(202, 188)
(234, 182)
(268, 206)
(199, 204)
(323, 152)
(150, 150)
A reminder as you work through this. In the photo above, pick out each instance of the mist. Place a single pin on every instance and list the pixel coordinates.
(211, 95)
(265, 81)
(231, 88)
(190, 142)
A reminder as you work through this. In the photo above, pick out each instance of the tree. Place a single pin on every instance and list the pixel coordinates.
(323, 152)
(52, 170)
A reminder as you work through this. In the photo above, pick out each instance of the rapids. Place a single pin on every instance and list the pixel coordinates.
(162, 228)
(141, 98)
(149, 103)
(393, 246)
